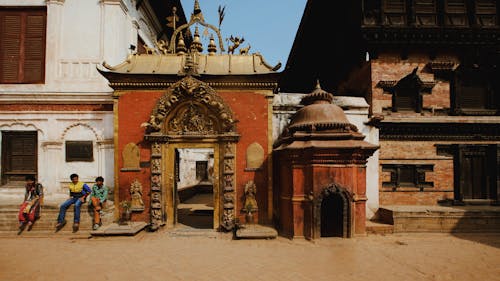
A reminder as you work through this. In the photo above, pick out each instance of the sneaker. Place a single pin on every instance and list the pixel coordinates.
(96, 226)
(76, 226)
(30, 225)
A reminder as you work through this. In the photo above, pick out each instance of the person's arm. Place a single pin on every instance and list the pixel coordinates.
(92, 194)
(26, 194)
(104, 194)
(86, 191)
(40, 192)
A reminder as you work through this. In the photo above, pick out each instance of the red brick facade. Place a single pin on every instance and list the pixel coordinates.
(250, 109)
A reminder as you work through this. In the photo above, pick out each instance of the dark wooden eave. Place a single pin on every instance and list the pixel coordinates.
(327, 47)
(331, 45)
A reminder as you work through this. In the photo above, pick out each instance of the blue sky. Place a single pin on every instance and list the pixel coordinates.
(269, 26)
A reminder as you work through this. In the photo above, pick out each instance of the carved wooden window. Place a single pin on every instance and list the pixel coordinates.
(395, 12)
(407, 176)
(486, 13)
(456, 13)
(22, 45)
(472, 93)
(371, 12)
(425, 13)
(405, 99)
(79, 151)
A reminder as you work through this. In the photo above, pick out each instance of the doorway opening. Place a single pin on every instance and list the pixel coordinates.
(332, 216)
(194, 176)
(333, 213)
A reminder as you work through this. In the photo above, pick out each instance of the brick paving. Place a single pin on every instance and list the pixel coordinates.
(166, 255)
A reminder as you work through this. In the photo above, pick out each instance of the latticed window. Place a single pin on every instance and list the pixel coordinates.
(486, 13)
(456, 13)
(407, 176)
(472, 92)
(395, 12)
(22, 45)
(425, 13)
(406, 99)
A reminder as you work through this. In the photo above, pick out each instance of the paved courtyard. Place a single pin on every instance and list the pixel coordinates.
(161, 256)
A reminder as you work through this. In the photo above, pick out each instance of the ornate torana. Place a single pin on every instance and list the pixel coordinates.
(190, 107)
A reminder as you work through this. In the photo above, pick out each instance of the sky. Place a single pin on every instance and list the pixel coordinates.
(269, 26)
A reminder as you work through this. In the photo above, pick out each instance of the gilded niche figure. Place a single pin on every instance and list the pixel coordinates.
(250, 201)
(137, 204)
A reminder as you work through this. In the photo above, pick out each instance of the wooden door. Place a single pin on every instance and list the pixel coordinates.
(19, 155)
(201, 170)
(473, 172)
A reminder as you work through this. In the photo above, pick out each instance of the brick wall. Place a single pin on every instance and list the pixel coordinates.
(250, 109)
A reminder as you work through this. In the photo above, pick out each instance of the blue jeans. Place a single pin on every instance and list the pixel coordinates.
(65, 206)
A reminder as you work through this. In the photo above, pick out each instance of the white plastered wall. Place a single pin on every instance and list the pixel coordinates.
(80, 35)
(53, 129)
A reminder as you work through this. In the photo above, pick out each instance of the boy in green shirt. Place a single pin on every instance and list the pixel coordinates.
(98, 196)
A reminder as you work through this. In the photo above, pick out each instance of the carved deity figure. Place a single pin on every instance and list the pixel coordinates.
(250, 201)
(136, 196)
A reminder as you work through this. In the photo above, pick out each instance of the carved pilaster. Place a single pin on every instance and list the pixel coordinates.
(157, 211)
(228, 217)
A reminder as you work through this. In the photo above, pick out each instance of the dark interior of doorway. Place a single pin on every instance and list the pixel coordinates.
(332, 215)
(195, 208)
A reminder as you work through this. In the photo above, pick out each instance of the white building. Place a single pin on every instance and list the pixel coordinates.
(56, 110)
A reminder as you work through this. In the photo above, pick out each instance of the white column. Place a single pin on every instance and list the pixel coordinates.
(106, 161)
(53, 40)
(51, 163)
(115, 31)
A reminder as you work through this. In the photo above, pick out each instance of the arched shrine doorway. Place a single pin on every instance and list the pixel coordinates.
(333, 212)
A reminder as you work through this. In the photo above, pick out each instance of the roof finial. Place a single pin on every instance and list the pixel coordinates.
(172, 22)
(318, 86)
(197, 12)
(318, 95)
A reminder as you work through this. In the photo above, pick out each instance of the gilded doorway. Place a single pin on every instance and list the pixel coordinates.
(194, 202)
(191, 116)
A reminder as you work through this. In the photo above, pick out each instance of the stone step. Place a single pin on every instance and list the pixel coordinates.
(376, 227)
(446, 219)
(48, 218)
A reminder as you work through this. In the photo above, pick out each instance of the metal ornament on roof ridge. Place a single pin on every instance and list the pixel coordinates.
(196, 17)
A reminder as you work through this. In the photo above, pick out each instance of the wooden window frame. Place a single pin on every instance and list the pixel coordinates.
(20, 61)
(472, 77)
(395, 17)
(419, 171)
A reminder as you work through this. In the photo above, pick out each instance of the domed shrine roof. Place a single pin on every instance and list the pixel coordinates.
(319, 114)
(321, 124)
